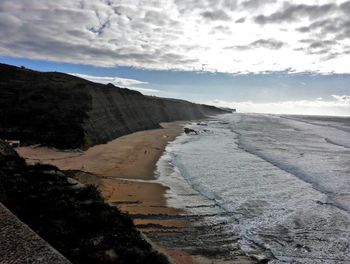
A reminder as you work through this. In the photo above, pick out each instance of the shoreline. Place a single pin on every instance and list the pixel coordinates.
(122, 176)
(124, 171)
(132, 156)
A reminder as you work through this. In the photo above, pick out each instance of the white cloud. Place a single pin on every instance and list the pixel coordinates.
(342, 98)
(339, 106)
(117, 81)
(145, 90)
(181, 34)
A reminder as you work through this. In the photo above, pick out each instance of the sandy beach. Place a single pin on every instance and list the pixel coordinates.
(132, 156)
(122, 169)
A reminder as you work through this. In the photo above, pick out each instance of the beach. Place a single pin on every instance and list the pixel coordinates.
(132, 156)
(235, 188)
(123, 170)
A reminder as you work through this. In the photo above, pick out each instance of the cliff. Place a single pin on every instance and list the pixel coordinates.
(65, 111)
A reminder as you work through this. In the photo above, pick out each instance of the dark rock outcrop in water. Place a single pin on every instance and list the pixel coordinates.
(65, 111)
(72, 218)
(190, 131)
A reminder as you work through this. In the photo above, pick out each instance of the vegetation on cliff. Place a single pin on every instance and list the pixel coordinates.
(73, 218)
(46, 108)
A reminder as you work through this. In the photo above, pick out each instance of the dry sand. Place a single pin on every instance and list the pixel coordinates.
(132, 156)
(122, 169)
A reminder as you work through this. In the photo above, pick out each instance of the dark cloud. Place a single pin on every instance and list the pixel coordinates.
(325, 49)
(261, 43)
(241, 20)
(345, 7)
(268, 44)
(229, 4)
(296, 12)
(322, 44)
(216, 15)
(255, 4)
(338, 28)
(326, 24)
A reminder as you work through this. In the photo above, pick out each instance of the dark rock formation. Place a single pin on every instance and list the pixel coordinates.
(64, 111)
(72, 218)
(230, 110)
(190, 131)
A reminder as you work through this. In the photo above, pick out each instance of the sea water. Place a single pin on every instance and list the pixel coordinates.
(281, 182)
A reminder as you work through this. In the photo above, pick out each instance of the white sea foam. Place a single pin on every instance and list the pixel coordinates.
(284, 184)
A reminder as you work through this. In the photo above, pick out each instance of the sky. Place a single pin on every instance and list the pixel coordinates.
(286, 56)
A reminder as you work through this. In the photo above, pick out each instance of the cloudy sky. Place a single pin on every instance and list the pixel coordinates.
(260, 55)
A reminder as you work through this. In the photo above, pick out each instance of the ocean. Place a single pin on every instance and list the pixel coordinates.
(279, 184)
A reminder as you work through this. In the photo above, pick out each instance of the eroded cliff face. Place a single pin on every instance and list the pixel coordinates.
(64, 111)
(115, 112)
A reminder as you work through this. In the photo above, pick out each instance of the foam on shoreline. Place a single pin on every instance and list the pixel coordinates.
(236, 165)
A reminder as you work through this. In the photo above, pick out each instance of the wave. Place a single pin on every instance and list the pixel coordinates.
(246, 177)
